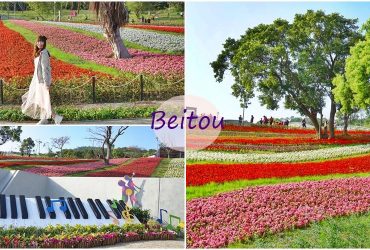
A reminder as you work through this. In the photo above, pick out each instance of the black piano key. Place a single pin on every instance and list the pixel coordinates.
(13, 207)
(115, 210)
(102, 208)
(67, 213)
(123, 207)
(2, 206)
(48, 204)
(123, 204)
(24, 210)
(94, 208)
(40, 207)
(73, 207)
(81, 208)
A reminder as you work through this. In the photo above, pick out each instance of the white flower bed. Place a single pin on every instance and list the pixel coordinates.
(175, 168)
(151, 39)
(297, 156)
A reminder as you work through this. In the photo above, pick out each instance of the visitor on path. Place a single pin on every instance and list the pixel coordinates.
(240, 119)
(265, 120)
(36, 102)
(252, 118)
(304, 123)
(286, 122)
(261, 121)
(271, 121)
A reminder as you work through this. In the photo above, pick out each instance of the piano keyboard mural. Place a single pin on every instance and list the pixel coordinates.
(114, 211)
(94, 202)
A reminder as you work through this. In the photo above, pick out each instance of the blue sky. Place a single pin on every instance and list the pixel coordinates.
(209, 24)
(141, 136)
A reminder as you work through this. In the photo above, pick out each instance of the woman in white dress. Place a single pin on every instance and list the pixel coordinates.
(36, 102)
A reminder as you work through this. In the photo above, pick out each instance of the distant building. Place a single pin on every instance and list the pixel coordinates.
(165, 152)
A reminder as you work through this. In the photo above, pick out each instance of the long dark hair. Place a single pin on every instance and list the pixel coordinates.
(37, 50)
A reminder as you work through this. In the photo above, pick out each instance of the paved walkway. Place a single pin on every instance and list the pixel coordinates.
(150, 244)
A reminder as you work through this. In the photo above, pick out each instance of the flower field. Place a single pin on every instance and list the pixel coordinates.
(63, 170)
(175, 168)
(226, 218)
(175, 29)
(16, 54)
(142, 167)
(118, 167)
(99, 51)
(164, 42)
(77, 57)
(12, 162)
(258, 181)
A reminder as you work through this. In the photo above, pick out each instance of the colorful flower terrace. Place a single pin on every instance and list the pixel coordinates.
(258, 186)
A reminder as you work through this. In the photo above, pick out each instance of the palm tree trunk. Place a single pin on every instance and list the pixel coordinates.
(115, 41)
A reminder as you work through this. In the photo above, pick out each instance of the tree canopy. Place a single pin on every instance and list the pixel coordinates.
(10, 134)
(291, 62)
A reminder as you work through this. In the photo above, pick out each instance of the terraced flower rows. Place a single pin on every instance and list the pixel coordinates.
(243, 157)
(17, 59)
(165, 42)
(99, 51)
(118, 167)
(226, 218)
(142, 167)
(63, 170)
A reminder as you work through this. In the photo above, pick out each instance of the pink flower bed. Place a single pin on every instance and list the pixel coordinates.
(142, 167)
(99, 51)
(222, 219)
(55, 170)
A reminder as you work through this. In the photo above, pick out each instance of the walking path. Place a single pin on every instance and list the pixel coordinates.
(150, 244)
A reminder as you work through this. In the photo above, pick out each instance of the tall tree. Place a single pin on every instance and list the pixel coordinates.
(10, 134)
(113, 15)
(344, 97)
(41, 8)
(292, 61)
(59, 143)
(27, 146)
(107, 137)
(357, 71)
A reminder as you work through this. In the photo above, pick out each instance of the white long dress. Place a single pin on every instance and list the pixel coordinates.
(36, 102)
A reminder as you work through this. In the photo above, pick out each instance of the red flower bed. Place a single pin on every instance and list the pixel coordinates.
(291, 141)
(175, 29)
(142, 167)
(17, 58)
(286, 130)
(200, 174)
(40, 162)
(6, 157)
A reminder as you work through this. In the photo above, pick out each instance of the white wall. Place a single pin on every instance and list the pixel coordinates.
(164, 193)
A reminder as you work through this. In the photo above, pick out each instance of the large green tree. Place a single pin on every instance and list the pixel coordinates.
(295, 62)
(357, 71)
(41, 8)
(27, 146)
(10, 134)
(344, 97)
